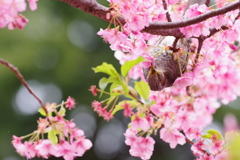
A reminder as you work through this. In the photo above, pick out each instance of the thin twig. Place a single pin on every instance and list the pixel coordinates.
(175, 43)
(165, 8)
(200, 44)
(21, 78)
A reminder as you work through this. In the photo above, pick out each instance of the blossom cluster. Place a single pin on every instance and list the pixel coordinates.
(9, 13)
(179, 112)
(64, 139)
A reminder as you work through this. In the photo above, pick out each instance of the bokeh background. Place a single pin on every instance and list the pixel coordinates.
(55, 53)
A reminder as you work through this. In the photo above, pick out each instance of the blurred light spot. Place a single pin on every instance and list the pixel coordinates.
(82, 34)
(109, 140)
(84, 119)
(11, 158)
(43, 24)
(47, 58)
(26, 104)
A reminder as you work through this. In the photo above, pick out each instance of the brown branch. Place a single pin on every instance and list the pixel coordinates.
(200, 44)
(194, 20)
(165, 8)
(165, 28)
(21, 78)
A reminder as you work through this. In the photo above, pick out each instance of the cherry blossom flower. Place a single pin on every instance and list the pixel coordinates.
(140, 123)
(33, 4)
(94, 90)
(127, 109)
(70, 103)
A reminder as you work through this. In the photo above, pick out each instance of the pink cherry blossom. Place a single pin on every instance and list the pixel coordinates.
(33, 4)
(127, 109)
(142, 147)
(130, 135)
(94, 90)
(140, 123)
(70, 103)
(216, 147)
(45, 148)
(172, 136)
(81, 145)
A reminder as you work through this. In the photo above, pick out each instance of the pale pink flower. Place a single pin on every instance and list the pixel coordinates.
(96, 105)
(127, 109)
(192, 133)
(93, 89)
(16, 141)
(70, 103)
(18, 22)
(198, 147)
(137, 22)
(216, 147)
(29, 150)
(45, 148)
(230, 123)
(222, 156)
(172, 136)
(142, 147)
(65, 150)
(130, 135)
(81, 145)
(33, 4)
(75, 134)
(42, 124)
(206, 157)
(112, 35)
(140, 123)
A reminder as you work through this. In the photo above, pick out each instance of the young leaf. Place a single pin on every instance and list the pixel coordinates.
(103, 82)
(52, 137)
(129, 64)
(142, 88)
(212, 133)
(106, 68)
(42, 111)
(62, 110)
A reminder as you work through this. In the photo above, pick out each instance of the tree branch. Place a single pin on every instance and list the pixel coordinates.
(20, 77)
(165, 8)
(194, 20)
(164, 28)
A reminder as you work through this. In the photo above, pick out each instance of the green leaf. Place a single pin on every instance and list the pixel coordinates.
(62, 110)
(42, 111)
(113, 79)
(129, 64)
(52, 136)
(212, 133)
(206, 136)
(142, 88)
(106, 68)
(125, 88)
(103, 82)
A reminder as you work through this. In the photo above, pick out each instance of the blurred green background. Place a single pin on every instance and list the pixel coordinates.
(55, 53)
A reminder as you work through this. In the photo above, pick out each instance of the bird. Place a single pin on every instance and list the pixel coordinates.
(169, 62)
